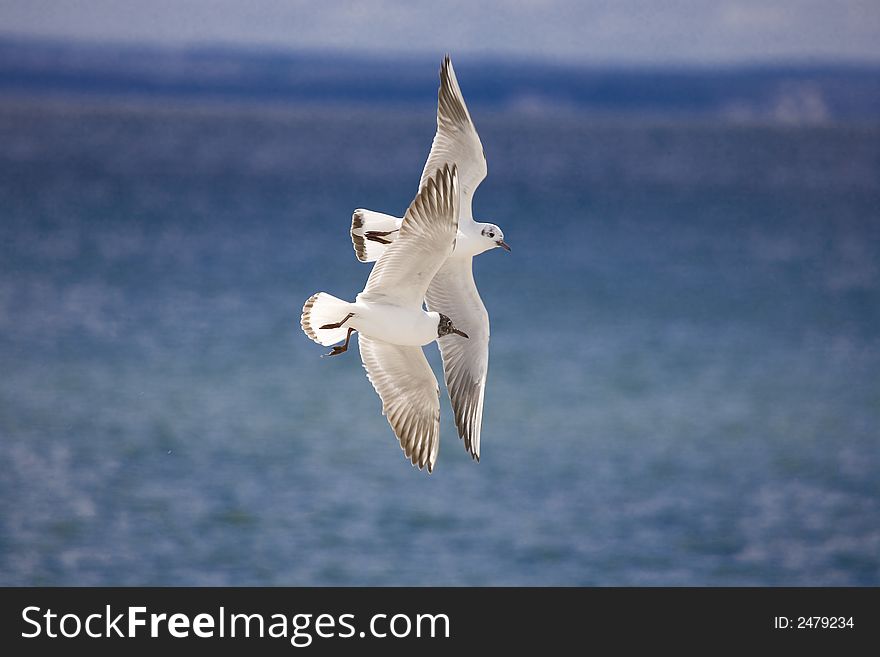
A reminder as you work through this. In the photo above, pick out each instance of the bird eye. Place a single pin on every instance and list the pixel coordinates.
(491, 234)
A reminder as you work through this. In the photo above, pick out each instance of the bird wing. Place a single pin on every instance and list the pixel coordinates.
(410, 396)
(456, 140)
(453, 292)
(426, 238)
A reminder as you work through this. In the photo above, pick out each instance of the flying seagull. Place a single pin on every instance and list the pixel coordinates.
(391, 323)
(453, 291)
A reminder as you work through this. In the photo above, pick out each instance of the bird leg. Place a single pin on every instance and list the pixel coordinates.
(337, 324)
(341, 348)
(379, 236)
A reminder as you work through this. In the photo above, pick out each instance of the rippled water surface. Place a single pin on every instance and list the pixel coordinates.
(684, 368)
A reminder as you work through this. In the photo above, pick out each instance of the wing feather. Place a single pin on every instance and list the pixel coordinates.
(453, 292)
(410, 396)
(456, 140)
(427, 237)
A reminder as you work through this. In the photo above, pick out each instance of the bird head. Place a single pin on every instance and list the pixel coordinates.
(493, 234)
(445, 327)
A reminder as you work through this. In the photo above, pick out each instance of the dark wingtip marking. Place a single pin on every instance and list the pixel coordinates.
(305, 319)
(357, 219)
(360, 246)
(448, 101)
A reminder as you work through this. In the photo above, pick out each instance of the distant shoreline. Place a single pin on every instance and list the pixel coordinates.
(753, 93)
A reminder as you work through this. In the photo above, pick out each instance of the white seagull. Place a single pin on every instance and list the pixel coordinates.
(453, 291)
(392, 325)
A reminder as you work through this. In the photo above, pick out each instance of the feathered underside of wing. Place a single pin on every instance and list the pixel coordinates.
(453, 292)
(426, 238)
(410, 397)
(456, 140)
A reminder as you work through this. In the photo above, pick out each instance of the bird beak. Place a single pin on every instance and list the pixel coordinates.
(503, 245)
(461, 333)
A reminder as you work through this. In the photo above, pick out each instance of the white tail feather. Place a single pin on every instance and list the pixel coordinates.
(321, 309)
(371, 232)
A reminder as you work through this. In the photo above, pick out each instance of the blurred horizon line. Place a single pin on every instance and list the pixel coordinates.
(784, 91)
(481, 56)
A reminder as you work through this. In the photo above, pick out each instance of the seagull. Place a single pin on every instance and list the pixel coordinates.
(453, 290)
(391, 322)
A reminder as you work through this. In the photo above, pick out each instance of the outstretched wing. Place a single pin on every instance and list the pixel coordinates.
(465, 362)
(456, 140)
(426, 238)
(410, 396)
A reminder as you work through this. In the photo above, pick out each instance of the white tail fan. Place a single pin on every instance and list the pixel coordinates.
(371, 232)
(321, 309)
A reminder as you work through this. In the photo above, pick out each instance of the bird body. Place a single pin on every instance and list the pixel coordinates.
(381, 321)
(452, 291)
(391, 323)
(395, 324)
(373, 231)
(424, 257)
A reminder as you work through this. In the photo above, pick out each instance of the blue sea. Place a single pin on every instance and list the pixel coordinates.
(684, 382)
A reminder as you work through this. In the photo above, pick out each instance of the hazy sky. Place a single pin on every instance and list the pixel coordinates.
(636, 31)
